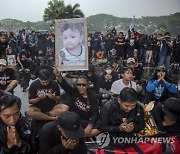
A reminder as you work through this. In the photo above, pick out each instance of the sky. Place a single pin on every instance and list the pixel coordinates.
(33, 10)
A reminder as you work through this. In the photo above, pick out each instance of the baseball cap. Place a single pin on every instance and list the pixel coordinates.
(130, 60)
(170, 115)
(161, 69)
(3, 62)
(70, 123)
(172, 108)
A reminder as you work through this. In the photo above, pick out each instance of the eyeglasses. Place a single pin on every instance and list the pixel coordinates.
(81, 84)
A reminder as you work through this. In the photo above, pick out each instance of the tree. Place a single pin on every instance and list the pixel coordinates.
(162, 26)
(73, 11)
(57, 10)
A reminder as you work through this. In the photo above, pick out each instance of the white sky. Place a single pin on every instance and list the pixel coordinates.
(33, 10)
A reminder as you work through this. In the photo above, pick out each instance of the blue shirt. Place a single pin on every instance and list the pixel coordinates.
(159, 87)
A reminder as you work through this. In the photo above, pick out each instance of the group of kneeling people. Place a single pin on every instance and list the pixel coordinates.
(70, 124)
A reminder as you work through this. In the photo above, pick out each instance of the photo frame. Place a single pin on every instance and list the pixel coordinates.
(71, 49)
(11, 60)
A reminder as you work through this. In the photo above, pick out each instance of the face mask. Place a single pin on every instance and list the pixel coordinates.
(108, 71)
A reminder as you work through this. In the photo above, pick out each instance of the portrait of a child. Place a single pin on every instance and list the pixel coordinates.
(73, 52)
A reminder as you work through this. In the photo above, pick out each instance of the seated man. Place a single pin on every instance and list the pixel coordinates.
(122, 117)
(106, 79)
(168, 119)
(62, 136)
(43, 95)
(137, 69)
(160, 87)
(17, 133)
(7, 77)
(25, 64)
(126, 81)
(83, 101)
(104, 83)
(92, 78)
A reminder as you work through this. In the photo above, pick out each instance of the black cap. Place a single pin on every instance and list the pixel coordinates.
(170, 115)
(173, 103)
(161, 69)
(70, 123)
(172, 108)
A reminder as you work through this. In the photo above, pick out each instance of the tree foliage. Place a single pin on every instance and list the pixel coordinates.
(57, 10)
(73, 11)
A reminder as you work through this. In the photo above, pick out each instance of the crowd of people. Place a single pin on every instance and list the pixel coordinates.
(77, 106)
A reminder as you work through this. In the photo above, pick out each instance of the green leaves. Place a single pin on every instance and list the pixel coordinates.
(57, 10)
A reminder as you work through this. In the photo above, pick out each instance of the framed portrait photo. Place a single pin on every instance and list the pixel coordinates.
(11, 60)
(71, 49)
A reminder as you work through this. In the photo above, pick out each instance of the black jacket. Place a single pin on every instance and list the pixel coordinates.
(50, 142)
(27, 133)
(111, 117)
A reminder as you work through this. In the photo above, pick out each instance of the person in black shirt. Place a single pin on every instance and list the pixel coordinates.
(136, 67)
(3, 44)
(104, 83)
(63, 136)
(119, 45)
(83, 101)
(7, 77)
(44, 94)
(25, 64)
(42, 65)
(168, 117)
(92, 78)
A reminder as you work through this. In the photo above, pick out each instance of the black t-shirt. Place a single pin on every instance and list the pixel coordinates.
(7, 75)
(138, 72)
(36, 89)
(106, 84)
(3, 47)
(86, 108)
(26, 63)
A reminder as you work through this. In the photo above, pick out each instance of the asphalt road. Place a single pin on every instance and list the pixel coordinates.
(23, 96)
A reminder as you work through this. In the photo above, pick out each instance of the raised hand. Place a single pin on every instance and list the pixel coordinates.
(13, 137)
(68, 143)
